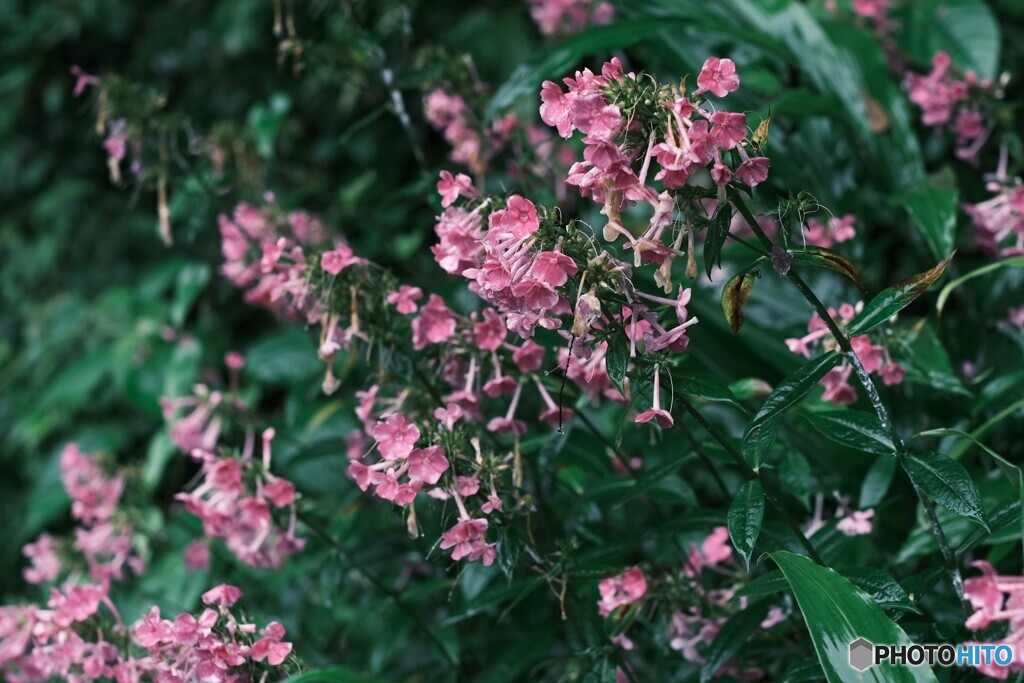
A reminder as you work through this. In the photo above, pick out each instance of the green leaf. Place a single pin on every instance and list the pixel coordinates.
(801, 672)
(795, 473)
(882, 588)
(766, 584)
(555, 62)
(617, 360)
(877, 481)
(744, 519)
(1015, 262)
(854, 429)
(718, 229)
(965, 29)
(934, 212)
(332, 674)
(758, 442)
(947, 483)
(795, 387)
(736, 294)
(703, 385)
(733, 636)
(1012, 472)
(837, 613)
(286, 357)
(826, 258)
(891, 301)
(191, 281)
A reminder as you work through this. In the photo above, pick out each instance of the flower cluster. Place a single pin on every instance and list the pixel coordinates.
(565, 17)
(215, 645)
(236, 501)
(264, 254)
(833, 231)
(999, 221)
(104, 536)
(621, 591)
(472, 144)
(947, 98)
(874, 357)
(72, 639)
(997, 598)
(691, 630)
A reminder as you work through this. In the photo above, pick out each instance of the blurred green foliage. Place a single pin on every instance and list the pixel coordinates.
(98, 319)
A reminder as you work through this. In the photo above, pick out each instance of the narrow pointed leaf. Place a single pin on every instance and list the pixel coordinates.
(837, 613)
(795, 387)
(718, 229)
(744, 519)
(947, 483)
(704, 385)
(934, 212)
(733, 636)
(854, 429)
(1015, 262)
(891, 301)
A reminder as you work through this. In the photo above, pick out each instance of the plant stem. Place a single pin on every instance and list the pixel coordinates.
(948, 554)
(381, 587)
(751, 473)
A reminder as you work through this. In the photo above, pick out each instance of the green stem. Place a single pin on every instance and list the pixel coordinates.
(948, 554)
(751, 473)
(381, 587)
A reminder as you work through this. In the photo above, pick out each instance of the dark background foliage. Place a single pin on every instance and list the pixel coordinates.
(88, 292)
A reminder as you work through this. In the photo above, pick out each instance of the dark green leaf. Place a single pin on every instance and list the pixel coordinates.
(718, 229)
(795, 473)
(617, 361)
(877, 481)
(934, 212)
(891, 301)
(965, 29)
(283, 358)
(703, 385)
(766, 584)
(882, 588)
(733, 636)
(947, 483)
(191, 281)
(795, 387)
(854, 429)
(333, 674)
(744, 519)
(837, 613)
(758, 442)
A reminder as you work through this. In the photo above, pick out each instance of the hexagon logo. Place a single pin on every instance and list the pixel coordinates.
(862, 654)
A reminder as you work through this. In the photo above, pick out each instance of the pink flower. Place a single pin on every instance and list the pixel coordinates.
(892, 373)
(404, 300)
(466, 540)
(554, 108)
(197, 556)
(520, 218)
(82, 80)
(837, 386)
(625, 589)
(434, 325)
(427, 464)
(984, 595)
(395, 437)
(529, 357)
(450, 187)
(338, 259)
(729, 129)
(281, 492)
(753, 171)
(490, 332)
(663, 417)
(857, 523)
(223, 595)
(716, 548)
(718, 76)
